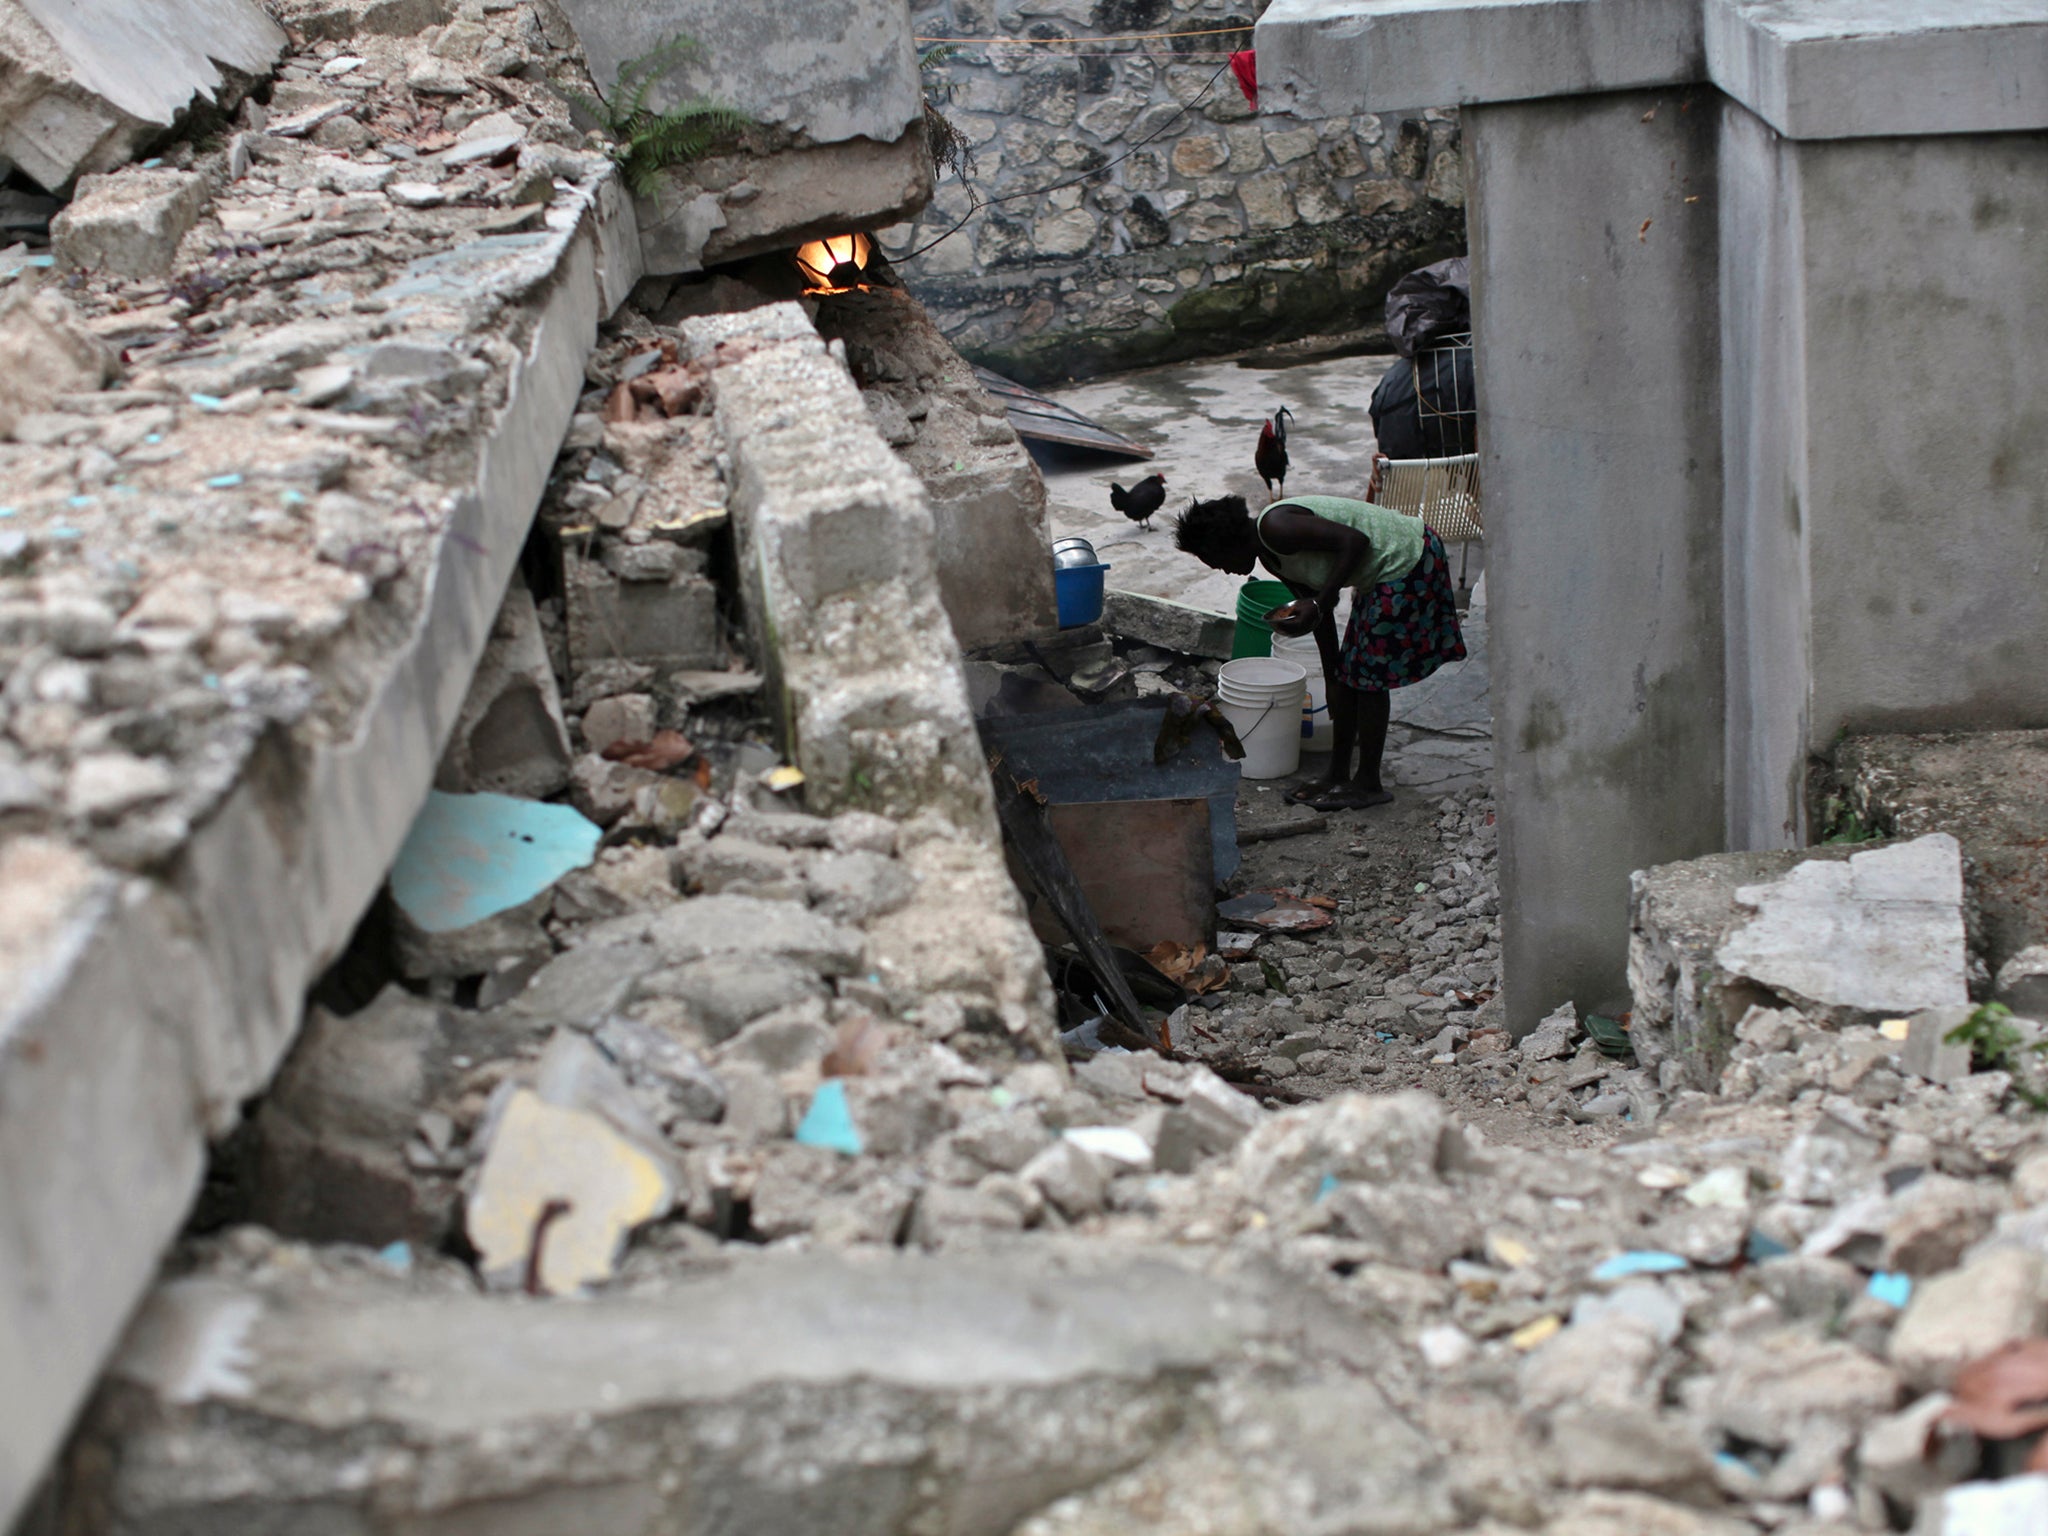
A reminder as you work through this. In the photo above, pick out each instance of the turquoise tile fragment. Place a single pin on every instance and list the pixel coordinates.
(829, 1120)
(1643, 1261)
(469, 857)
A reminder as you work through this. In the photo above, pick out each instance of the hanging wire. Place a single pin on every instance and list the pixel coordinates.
(1072, 181)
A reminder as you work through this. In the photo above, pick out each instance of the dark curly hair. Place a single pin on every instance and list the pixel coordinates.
(1208, 526)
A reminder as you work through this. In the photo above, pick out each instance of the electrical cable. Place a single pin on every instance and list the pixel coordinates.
(1074, 181)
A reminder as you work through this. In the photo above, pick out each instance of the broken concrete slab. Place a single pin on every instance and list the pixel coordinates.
(1988, 790)
(986, 495)
(319, 20)
(87, 88)
(510, 738)
(837, 102)
(166, 1002)
(836, 557)
(1171, 626)
(1685, 1008)
(1879, 934)
(798, 1394)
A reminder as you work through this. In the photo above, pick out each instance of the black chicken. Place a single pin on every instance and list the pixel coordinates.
(1270, 457)
(1141, 500)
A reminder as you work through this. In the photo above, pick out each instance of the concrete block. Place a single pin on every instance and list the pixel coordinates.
(89, 86)
(333, 1160)
(1841, 69)
(726, 207)
(338, 20)
(1332, 58)
(2023, 982)
(838, 98)
(672, 623)
(1997, 1297)
(1679, 914)
(1927, 1053)
(1169, 625)
(129, 223)
(987, 499)
(49, 352)
(510, 738)
(849, 72)
(1879, 933)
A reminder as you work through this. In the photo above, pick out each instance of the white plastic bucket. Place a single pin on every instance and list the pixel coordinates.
(1261, 697)
(1315, 707)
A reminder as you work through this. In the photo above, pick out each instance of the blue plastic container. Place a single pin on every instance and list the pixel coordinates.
(1079, 590)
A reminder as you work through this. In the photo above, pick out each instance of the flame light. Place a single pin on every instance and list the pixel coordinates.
(837, 264)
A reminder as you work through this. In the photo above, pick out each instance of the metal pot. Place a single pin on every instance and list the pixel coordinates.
(1070, 553)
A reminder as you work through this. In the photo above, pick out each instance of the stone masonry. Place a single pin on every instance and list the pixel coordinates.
(1209, 227)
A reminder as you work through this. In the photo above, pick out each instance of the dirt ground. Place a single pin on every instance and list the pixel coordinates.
(1362, 1004)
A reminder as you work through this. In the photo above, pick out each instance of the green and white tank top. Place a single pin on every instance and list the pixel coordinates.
(1395, 536)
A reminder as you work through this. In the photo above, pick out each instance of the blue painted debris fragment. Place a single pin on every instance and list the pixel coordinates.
(469, 857)
(1894, 1290)
(1760, 1248)
(1327, 1188)
(829, 1121)
(225, 482)
(1643, 1261)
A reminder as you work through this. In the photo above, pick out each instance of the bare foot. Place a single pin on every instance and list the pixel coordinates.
(1350, 797)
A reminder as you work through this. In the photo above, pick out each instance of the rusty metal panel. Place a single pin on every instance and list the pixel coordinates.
(1145, 867)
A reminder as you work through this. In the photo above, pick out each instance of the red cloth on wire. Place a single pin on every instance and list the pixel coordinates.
(1244, 64)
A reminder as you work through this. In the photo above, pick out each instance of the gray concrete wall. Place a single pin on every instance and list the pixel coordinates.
(1926, 335)
(1595, 291)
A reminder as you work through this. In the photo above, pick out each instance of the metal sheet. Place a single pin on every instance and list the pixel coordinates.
(1104, 752)
(1037, 417)
(1145, 867)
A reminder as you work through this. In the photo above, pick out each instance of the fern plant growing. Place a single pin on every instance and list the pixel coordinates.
(646, 142)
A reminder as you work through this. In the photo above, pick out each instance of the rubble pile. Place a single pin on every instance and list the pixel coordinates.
(297, 327)
(274, 435)
(735, 1179)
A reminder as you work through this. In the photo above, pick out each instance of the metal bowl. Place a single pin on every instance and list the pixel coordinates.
(1067, 554)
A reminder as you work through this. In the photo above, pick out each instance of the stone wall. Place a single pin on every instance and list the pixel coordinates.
(1204, 227)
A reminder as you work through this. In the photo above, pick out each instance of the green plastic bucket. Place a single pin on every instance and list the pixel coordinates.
(1256, 599)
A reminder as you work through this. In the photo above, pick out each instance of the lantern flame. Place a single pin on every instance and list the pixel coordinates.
(836, 264)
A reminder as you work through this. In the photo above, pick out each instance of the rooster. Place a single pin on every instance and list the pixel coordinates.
(1270, 457)
(1141, 500)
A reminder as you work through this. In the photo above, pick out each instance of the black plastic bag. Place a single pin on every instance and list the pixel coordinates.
(1429, 303)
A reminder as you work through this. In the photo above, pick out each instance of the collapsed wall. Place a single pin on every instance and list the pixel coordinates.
(245, 590)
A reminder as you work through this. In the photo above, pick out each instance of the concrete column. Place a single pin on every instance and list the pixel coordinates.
(1595, 304)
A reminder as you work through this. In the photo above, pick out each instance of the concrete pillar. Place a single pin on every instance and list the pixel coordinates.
(1595, 318)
